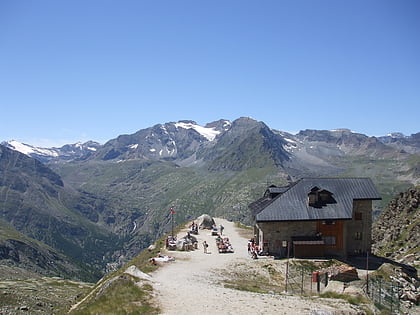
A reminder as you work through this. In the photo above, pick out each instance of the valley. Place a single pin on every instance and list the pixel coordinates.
(90, 208)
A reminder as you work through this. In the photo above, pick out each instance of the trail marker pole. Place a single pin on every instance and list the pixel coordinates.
(172, 220)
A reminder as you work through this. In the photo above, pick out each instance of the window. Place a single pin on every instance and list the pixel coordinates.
(358, 215)
(328, 222)
(358, 235)
(329, 240)
(324, 196)
(312, 200)
(319, 198)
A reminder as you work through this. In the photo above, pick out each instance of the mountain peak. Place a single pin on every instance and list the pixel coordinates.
(220, 125)
(397, 135)
(29, 149)
(66, 152)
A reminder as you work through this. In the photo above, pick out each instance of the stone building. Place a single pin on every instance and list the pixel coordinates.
(316, 217)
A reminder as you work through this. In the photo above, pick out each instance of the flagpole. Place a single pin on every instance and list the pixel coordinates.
(172, 220)
(172, 212)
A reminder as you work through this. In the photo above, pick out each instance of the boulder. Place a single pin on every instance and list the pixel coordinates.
(341, 273)
(205, 221)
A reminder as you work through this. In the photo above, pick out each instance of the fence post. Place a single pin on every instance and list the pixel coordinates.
(287, 264)
(380, 291)
(367, 272)
(311, 283)
(371, 293)
(301, 288)
(392, 295)
(318, 282)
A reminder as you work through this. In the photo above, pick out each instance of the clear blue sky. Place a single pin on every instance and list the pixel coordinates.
(94, 69)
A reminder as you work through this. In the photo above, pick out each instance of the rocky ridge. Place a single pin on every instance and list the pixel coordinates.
(396, 231)
(395, 235)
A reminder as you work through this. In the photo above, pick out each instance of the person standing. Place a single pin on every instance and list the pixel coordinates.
(205, 245)
(221, 229)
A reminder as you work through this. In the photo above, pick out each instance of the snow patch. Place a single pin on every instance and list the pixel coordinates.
(133, 146)
(209, 133)
(226, 125)
(342, 130)
(289, 140)
(27, 149)
(164, 130)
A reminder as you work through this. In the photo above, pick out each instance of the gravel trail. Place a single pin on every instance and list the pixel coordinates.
(189, 285)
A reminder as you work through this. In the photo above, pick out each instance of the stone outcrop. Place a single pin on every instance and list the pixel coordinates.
(396, 236)
(395, 232)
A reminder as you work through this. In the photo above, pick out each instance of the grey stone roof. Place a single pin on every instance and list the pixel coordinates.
(292, 205)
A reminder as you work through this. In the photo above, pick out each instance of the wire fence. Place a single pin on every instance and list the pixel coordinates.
(302, 279)
(384, 294)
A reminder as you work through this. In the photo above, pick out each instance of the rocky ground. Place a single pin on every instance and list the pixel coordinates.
(396, 232)
(22, 292)
(396, 237)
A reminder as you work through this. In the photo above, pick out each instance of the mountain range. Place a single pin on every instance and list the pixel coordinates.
(100, 204)
(162, 141)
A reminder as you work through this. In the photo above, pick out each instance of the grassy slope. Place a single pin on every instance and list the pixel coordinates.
(120, 293)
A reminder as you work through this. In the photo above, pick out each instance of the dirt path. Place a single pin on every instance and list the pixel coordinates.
(189, 285)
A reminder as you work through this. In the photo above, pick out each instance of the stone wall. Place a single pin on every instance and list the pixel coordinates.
(276, 232)
(358, 231)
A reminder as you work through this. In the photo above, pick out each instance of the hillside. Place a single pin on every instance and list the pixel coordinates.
(18, 250)
(396, 231)
(35, 202)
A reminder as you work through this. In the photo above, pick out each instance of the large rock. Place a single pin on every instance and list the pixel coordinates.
(341, 273)
(205, 221)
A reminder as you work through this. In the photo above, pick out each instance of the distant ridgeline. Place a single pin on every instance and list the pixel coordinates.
(101, 205)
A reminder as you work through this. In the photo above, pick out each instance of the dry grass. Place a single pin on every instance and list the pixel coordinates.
(244, 231)
(122, 296)
(253, 276)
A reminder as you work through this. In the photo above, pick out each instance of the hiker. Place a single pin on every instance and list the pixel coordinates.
(193, 226)
(221, 229)
(205, 245)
